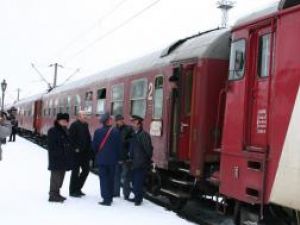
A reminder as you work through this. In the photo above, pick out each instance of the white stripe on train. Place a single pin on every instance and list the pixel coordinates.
(286, 188)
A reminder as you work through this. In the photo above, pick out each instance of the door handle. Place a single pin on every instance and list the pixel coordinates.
(182, 126)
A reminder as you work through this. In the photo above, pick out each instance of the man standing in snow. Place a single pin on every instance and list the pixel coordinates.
(123, 168)
(60, 155)
(5, 130)
(81, 140)
(140, 153)
(107, 145)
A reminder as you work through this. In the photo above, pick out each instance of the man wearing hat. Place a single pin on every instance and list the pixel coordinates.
(60, 155)
(140, 153)
(122, 172)
(107, 145)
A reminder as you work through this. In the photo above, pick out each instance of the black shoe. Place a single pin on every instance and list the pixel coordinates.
(126, 198)
(138, 203)
(56, 198)
(117, 196)
(104, 203)
(75, 195)
(130, 199)
(62, 197)
(81, 193)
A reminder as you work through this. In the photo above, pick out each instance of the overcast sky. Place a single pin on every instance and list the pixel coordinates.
(94, 34)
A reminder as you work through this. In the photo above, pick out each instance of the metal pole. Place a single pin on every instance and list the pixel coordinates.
(55, 75)
(2, 105)
(18, 97)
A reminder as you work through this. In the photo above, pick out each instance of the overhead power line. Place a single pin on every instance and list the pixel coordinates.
(113, 30)
(40, 74)
(92, 27)
(71, 76)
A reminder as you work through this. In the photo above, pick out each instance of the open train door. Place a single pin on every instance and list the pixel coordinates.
(37, 116)
(181, 109)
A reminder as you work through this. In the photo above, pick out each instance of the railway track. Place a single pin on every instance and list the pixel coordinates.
(196, 211)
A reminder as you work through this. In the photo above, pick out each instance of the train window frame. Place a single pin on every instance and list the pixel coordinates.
(61, 105)
(68, 104)
(50, 108)
(101, 100)
(260, 56)
(55, 108)
(77, 104)
(155, 98)
(118, 100)
(135, 99)
(232, 63)
(88, 102)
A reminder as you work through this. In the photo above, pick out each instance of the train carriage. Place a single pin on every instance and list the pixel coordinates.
(260, 147)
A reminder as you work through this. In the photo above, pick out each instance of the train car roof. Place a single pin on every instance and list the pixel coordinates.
(208, 45)
(29, 99)
(267, 11)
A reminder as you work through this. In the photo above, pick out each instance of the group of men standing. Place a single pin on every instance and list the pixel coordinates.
(122, 153)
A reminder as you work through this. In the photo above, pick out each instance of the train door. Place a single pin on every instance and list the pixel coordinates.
(259, 83)
(37, 116)
(181, 113)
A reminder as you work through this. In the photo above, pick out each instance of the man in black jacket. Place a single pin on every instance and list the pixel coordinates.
(81, 140)
(140, 153)
(60, 155)
(122, 172)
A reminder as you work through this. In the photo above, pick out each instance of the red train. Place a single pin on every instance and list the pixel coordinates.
(235, 136)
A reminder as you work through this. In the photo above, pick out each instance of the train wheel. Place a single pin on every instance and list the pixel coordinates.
(177, 203)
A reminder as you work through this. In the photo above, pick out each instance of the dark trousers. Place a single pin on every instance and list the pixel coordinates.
(122, 177)
(107, 175)
(79, 174)
(138, 180)
(12, 137)
(56, 181)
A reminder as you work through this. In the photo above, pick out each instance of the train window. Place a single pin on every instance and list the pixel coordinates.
(68, 105)
(101, 98)
(138, 97)
(117, 99)
(61, 106)
(264, 54)
(158, 98)
(88, 102)
(237, 60)
(77, 103)
(55, 108)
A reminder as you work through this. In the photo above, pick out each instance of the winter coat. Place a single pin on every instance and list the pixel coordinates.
(59, 149)
(15, 125)
(126, 133)
(81, 139)
(141, 150)
(109, 155)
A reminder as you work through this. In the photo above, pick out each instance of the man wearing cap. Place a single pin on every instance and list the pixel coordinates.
(60, 155)
(107, 145)
(140, 153)
(122, 172)
(82, 147)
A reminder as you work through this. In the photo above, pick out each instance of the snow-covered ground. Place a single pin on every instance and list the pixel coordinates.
(24, 186)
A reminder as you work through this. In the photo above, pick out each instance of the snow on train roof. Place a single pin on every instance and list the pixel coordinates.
(270, 9)
(29, 99)
(209, 45)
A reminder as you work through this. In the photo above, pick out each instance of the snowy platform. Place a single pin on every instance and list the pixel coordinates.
(24, 190)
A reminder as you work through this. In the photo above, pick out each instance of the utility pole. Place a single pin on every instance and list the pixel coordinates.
(55, 65)
(18, 96)
(225, 6)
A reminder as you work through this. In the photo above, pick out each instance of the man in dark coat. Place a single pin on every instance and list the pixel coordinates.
(107, 145)
(15, 124)
(140, 153)
(60, 155)
(122, 172)
(81, 140)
